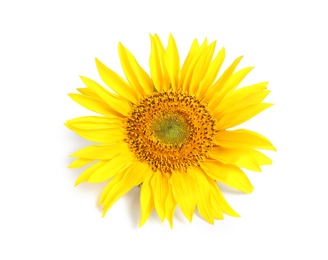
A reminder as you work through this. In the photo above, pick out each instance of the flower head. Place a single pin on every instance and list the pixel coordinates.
(167, 132)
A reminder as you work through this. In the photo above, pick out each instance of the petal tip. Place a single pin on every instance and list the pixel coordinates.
(77, 182)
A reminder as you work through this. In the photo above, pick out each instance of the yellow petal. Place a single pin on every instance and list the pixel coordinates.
(88, 92)
(172, 62)
(183, 189)
(135, 74)
(203, 194)
(119, 185)
(228, 86)
(219, 202)
(106, 136)
(253, 99)
(87, 173)
(254, 87)
(261, 158)
(247, 91)
(93, 104)
(155, 66)
(111, 168)
(201, 53)
(95, 122)
(111, 185)
(240, 157)
(239, 116)
(101, 152)
(80, 162)
(216, 208)
(159, 184)
(244, 157)
(242, 138)
(146, 201)
(241, 98)
(216, 88)
(170, 206)
(92, 126)
(228, 174)
(161, 54)
(201, 68)
(116, 83)
(185, 67)
(158, 70)
(211, 74)
(115, 102)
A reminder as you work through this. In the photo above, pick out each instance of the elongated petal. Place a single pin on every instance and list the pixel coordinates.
(183, 189)
(115, 102)
(185, 67)
(95, 122)
(87, 173)
(106, 136)
(101, 152)
(239, 157)
(158, 70)
(244, 157)
(228, 174)
(118, 186)
(216, 208)
(111, 185)
(203, 195)
(240, 99)
(261, 158)
(137, 77)
(190, 72)
(219, 202)
(91, 126)
(242, 138)
(159, 184)
(245, 92)
(172, 62)
(80, 162)
(201, 68)
(146, 201)
(170, 206)
(161, 54)
(211, 74)
(155, 66)
(88, 92)
(239, 116)
(111, 168)
(216, 88)
(228, 86)
(116, 83)
(93, 104)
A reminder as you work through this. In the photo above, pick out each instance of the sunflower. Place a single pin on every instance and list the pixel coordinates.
(167, 132)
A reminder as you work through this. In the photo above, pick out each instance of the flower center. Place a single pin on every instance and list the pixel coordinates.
(170, 131)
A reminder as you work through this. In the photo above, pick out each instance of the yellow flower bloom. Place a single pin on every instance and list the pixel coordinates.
(167, 131)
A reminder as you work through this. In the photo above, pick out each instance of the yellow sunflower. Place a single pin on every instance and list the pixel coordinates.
(167, 132)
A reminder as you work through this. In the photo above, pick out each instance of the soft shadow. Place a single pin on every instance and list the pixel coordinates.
(133, 200)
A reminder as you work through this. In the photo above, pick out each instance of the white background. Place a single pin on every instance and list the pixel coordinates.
(46, 45)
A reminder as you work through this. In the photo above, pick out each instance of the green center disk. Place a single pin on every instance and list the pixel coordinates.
(171, 129)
